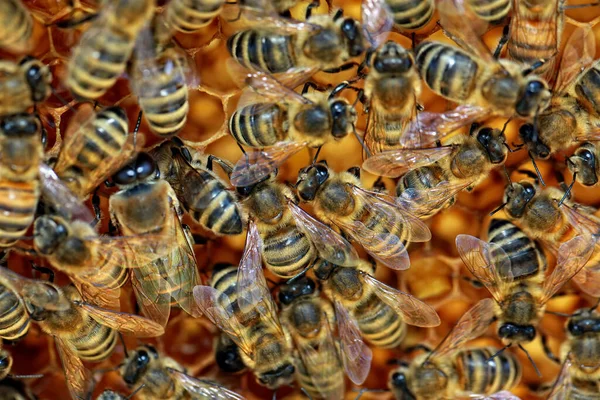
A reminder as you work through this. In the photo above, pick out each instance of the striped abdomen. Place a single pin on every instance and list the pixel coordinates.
(526, 258)
(262, 50)
(287, 251)
(330, 381)
(421, 179)
(259, 125)
(588, 88)
(492, 11)
(533, 37)
(447, 70)
(18, 202)
(378, 323)
(211, 204)
(94, 342)
(17, 27)
(98, 61)
(190, 15)
(163, 96)
(411, 14)
(111, 271)
(14, 320)
(481, 374)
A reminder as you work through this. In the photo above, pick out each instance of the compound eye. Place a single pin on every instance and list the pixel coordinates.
(349, 28)
(587, 155)
(4, 362)
(535, 87)
(125, 176)
(144, 166)
(142, 358)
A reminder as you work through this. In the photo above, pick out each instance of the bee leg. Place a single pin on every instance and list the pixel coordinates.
(548, 350)
(502, 42)
(304, 392)
(310, 85)
(354, 171)
(473, 128)
(96, 207)
(310, 7)
(343, 67)
(223, 164)
(43, 270)
(535, 66)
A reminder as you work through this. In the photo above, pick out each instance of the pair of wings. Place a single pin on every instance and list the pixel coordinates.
(356, 355)
(203, 388)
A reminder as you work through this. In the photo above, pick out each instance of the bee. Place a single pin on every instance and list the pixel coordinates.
(186, 16)
(104, 49)
(431, 177)
(17, 29)
(163, 378)
(584, 164)
(368, 308)
(227, 355)
(282, 122)
(381, 227)
(308, 319)
(15, 322)
(492, 87)
(291, 239)
(512, 268)
(578, 378)
(147, 206)
(95, 146)
(23, 85)
(203, 194)
(392, 87)
(451, 371)
(240, 304)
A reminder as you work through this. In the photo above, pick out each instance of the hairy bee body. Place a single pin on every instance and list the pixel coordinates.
(584, 162)
(411, 14)
(22, 85)
(105, 48)
(227, 355)
(424, 178)
(492, 11)
(190, 15)
(14, 320)
(17, 27)
(587, 89)
(257, 125)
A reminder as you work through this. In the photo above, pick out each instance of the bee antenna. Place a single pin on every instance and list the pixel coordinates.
(367, 390)
(537, 371)
(595, 305)
(567, 194)
(361, 141)
(506, 124)
(136, 391)
(316, 157)
(122, 339)
(496, 354)
(537, 170)
(304, 392)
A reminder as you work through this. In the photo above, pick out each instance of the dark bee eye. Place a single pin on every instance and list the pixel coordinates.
(244, 191)
(529, 332)
(484, 136)
(349, 28)
(144, 166)
(586, 155)
(507, 330)
(4, 362)
(398, 380)
(574, 328)
(528, 190)
(526, 132)
(534, 87)
(125, 175)
(142, 358)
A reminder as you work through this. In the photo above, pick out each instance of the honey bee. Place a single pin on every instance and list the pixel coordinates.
(17, 29)
(578, 378)
(15, 322)
(95, 146)
(282, 122)
(584, 164)
(146, 205)
(106, 46)
(23, 85)
(451, 371)
(240, 304)
(291, 239)
(475, 77)
(431, 177)
(203, 194)
(186, 16)
(512, 268)
(308, 319)
(163, 378)
(381, 227)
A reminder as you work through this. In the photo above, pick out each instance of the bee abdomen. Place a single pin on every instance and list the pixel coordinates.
(448, 71)
(411, 14)
(14, 321)
(392, 240)
(262, 50)
(258, 125)
(15, 35)
(542, 45)
(18, 202)
(379, 324)
(327, 382)
(221, 213)
(588, 89)
(482, 375)
(190, 15)
(108, 137)
(96, 343)
(491, 10)
(288, 251)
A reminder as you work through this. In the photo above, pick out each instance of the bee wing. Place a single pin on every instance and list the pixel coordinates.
(413, 311)
(395, 163)
(330, 245)
(217, 307)
(73, 139)
(262, 15)
(470, 326)
(579, 55)
(59, 195)
(485, 260)
(588, 279)
(202, 387)
(572, 257)
(377, 21)
(391, 216)
(584, 223)
(123, 322)
(99, 296)
(562, 385)
(252, 290)
(257, 165)
(421, 202)
(152, 294)
(271, 89)
(356, 355)
(375, 130)
(76, 375)
(503, 395)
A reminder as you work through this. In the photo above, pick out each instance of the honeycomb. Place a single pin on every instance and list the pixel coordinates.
(435, 275)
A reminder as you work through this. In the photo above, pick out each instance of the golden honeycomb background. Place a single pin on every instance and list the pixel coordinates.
(435, 273)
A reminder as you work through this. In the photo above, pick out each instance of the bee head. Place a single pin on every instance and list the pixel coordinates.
(517, 196)
(343, 116)
(398, 383)
(43, 298)
(393, 58)
(137, 364)
(48, 233)
(245, 191)
(534, 98)
(530, 136)
(273, 379)
(38, 78)
(323, 269)
(141, 169)
(515, 333)
(300, 287)
(353, 36)
(493, 141)
(583, 162)
(310, 180)
(582, 322)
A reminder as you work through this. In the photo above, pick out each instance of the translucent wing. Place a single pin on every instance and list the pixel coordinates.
(503, 395)
(73, 140)
(255, 166)
(470, 326)
(422, 202)
(394, 163)
(20, 284)
(582, 219)
(572, 257)
(261, 15)
(330, 245)
(485, 260)
(382, 241)
(252, 290)
(152, 293)
(203, 387)
(562, 385)
(186, 175)
(217, 307)
(376, 129)
(76, 375)
(588, 278)
(356, 355)
(377, 20)
(413, 311)
(270, 89)
(58, 194)
(579, 55)
(98, 296)
(123, 322)
(291, 78)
